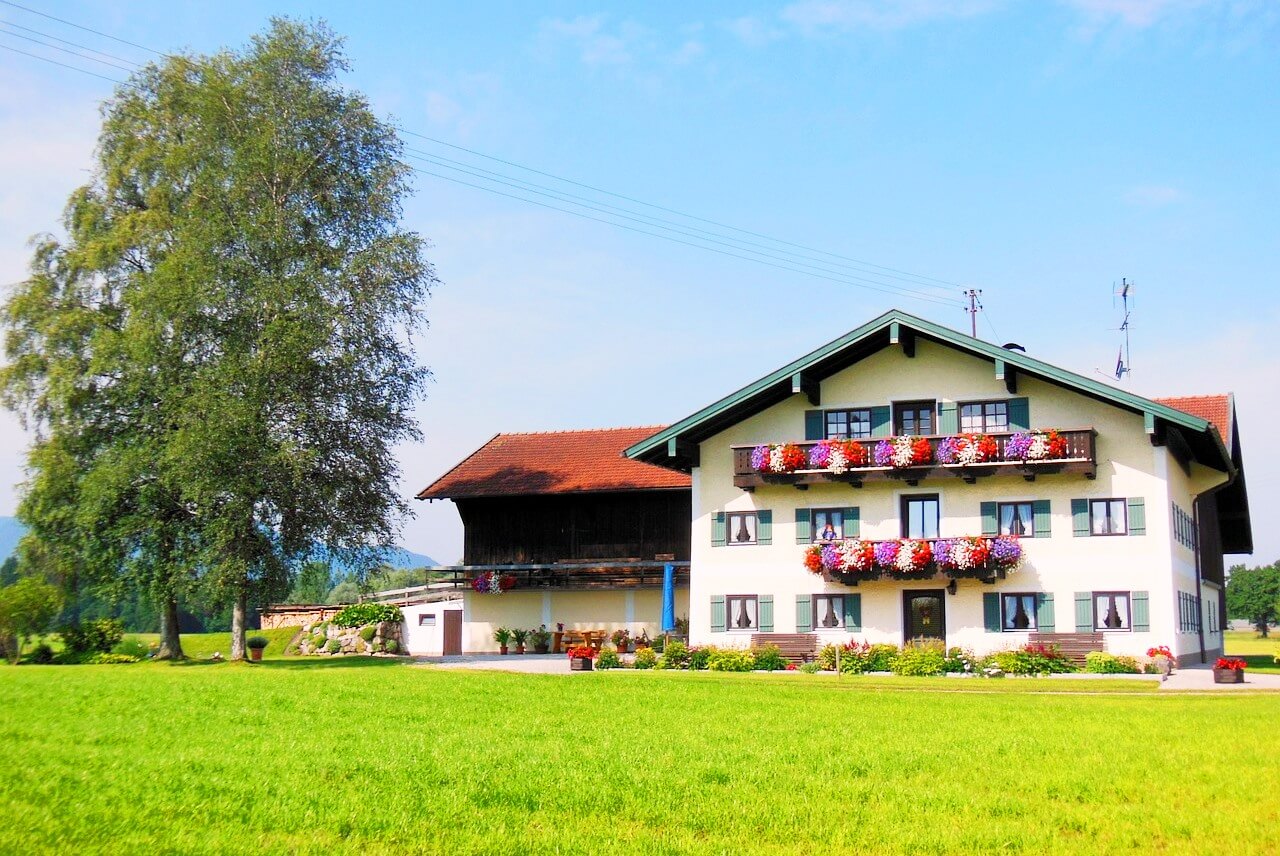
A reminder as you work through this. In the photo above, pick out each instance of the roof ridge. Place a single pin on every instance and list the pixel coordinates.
(580, 430)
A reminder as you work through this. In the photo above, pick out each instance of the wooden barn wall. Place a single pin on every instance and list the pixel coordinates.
(535, 529)
(1209, 540)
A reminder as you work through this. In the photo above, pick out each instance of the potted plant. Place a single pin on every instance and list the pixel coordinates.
(540, 639)
(256, 644)
(520, 636)
(1228, 670)
(620, 639)
(580, 657)
(557, 638)
(503, 637)
(642, 641)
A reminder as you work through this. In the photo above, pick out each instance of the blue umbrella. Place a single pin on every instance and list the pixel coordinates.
(668, 598)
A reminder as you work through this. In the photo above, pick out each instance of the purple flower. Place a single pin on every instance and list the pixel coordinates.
(886, 553)
(947, 451)
(819, 454)
(830, 557)
(1006, 551)
(1017, 446)
(942, 553)
(883, 455)
(760, 458)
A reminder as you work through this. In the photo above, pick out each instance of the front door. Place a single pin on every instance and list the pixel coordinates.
(452, 632)
(924, 615)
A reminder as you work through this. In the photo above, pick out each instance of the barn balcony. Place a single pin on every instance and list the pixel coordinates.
(567, 575)
(1076, 455)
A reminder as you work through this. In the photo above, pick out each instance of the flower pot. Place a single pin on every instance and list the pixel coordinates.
(622, 647)
(502, 649)
(540, 649)
(557, 639)
(1228, 676)
(255, 654)
(520, 648)
(580, 664)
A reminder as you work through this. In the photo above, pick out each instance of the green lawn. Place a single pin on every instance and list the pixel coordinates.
(200, 645)
(1258, 652)
(360, 755)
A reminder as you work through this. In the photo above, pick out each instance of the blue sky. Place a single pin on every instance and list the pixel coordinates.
(1038, 151)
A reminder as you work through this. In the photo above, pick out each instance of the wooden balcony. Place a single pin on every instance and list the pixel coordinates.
(1080, 459)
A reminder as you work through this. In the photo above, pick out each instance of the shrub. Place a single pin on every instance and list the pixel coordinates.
(608, 659)
(368, 632)
(133, 647)
(42, 654)
(645, 659)
(770, 659)
(699, 658)
(257, 642)
(960, 660)
(502, 635)
(519, 635)
(318, 640)
(1102, 663)
(359, 614)
(90, 637)
(730, 660)
(675, 656)
(540, 638)
(858, 657)
(392, 646)
(333, 646)
(1030, 660)
(810, 668)
(106, 658)
(659, 644)
(921, 659)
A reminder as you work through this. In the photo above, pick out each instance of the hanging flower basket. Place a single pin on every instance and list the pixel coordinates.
(901, 452)
(491, 582)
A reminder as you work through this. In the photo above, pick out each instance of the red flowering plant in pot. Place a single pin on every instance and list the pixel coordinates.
(1229, 670)
(1161, 660)
(580, 657)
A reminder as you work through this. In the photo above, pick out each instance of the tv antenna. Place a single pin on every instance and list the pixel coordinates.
(1124, 364)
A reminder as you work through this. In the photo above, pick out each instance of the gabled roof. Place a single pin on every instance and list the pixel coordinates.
(674, 446)
(1234, 524)
(554, 462)
(1217, 410)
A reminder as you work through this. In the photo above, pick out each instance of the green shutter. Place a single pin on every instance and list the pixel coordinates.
(717, 530)
(989, 524)
(1044, 613)
(853, 613)
(764, 527)
(991, 611)
(881, 423)
(1141, 612)
(1019, 414)
(1043, 527)
(852, 519)
(1137, 516)
(717, 613)
(804, 526)
(765, 604)
(1080, 519)
(815, 425)
(804, 613)
(1084, 612)
(948, 418)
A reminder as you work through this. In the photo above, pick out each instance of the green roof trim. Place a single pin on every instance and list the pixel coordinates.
(895, 320)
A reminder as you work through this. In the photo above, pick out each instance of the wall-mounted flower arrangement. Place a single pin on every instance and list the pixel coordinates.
(778, 458)
(968, 449)
(908, 557)
(491, 582)
(1035, 446)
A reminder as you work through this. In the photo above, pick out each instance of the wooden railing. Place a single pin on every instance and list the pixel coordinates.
(1079, 457)
(591, 575)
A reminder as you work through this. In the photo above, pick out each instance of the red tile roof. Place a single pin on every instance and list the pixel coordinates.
(555, 462)
(1214, 408)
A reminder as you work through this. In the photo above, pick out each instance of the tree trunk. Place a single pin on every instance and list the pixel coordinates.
(170, 641)
(238, 611)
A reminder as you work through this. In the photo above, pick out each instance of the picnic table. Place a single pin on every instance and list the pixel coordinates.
(594, 638)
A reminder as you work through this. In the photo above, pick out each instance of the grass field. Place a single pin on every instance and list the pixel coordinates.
(199, 646)
(1259, 653)
(372, 756)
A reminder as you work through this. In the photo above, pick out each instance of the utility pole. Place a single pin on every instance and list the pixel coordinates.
(974, 306)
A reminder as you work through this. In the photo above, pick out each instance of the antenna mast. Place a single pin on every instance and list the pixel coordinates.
(1124, 364)
(974, 306)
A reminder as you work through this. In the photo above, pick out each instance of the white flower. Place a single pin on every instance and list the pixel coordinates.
(905, 560)
(1039, 448)
(902, 451)
(775, 459)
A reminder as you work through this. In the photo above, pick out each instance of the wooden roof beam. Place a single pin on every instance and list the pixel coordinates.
(809, 385)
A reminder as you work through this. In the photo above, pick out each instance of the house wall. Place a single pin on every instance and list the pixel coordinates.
(1128, 466)
(426, 640)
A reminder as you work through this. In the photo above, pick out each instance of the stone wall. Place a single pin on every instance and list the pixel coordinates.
(326, 638)
(296, 615)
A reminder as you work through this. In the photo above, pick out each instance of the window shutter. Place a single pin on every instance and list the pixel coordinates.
(853, 613)
(815, 425)
(989, 523)
(804, 613)
(804, 526)
(717, 613)
(1137, 516)
(764, 527)
(765, 605)
(1084, 612)
(852, 522)
(881, 424)
(1043, 527)
(1080, 520)
(1019, 414)
(1044, 613)
(948, 418)
(1141, 612)
(717, 530)
(991, 611)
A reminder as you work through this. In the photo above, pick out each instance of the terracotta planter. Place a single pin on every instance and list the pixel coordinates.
(557, 639)
(540, 649)
(520, 648)
(1228, 676)
(255, 654)
(502, 650)
(622, 647)
(580, 664)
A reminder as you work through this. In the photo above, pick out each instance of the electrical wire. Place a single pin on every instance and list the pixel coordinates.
(124, 68)
(65, 42)
(84, 28)
(63, 64)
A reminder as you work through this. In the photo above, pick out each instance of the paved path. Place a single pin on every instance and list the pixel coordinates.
(1201, 678)
(536, 664)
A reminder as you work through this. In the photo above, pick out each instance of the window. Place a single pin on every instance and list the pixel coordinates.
(984, 417)
(427, 619)
(913, 417)
(741, 528)
(828, 611)
(1015, 518)
(1111, 610)
(1184, 527)
(1107, 517)
(848, 424)
(1019, 611)
(920, 516)
(822, 517)
(1189, 613)
(742, 612)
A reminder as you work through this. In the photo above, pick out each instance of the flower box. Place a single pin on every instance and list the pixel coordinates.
(580, 664)
(1228, 676)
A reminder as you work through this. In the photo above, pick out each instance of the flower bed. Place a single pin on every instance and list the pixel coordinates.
(909, 557)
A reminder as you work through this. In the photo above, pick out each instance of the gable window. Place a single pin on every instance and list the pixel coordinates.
(741, 527)
(984, 417)
(828, 611)
(1015, 519)
(1019, 611)
(828, 525)
(1107, 517)
(848, 424)
(920, 516)
(743, 611)
(1111, 610)
(913, 417)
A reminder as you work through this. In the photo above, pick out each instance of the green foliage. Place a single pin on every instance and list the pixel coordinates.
(731, 660)
(42, 654)
(770, 659)
(921, 659)
(858, 657)
(313, 583)
(392, 646)
(132, 646)
(258, 642)
(646, 658)
(519, 635)
(608, 658)
(368, 632)
(318, 640)
(1254, 595)
(108, 658)
(333, 646)
(97, 636)
(540, 638)
(1104, 663)
(1030, 660)
(810, 668)
(502, 635)
(676, 656)
(699, 658)
(26, 609)
(359, 614)
(960, 660)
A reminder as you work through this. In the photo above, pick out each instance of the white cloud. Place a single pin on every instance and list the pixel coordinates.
(1153, 195)
(816, 16)
(588, 35)
(752, 31)
(1139, 14)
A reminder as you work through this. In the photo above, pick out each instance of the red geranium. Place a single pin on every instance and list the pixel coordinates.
(855, 453)
(1162, 651)
(987, 448)
(793, 457)
(1056, 444)
(1232, 663)
(921, 451)
(585, 652)
(813, 559)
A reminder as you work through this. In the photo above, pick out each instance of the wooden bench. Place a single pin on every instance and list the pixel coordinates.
(796, 647)
(1074, 646)
(594, 638)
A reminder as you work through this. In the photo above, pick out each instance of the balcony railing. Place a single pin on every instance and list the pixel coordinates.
(1078, 456)
(1000, 556)
(603, 574)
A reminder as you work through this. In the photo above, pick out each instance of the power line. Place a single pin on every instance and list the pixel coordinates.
(63, 64)
(65, 42)
(67, 50)
(86, 29)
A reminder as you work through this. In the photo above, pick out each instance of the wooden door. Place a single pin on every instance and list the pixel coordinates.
(924, 615)
(452, 631)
